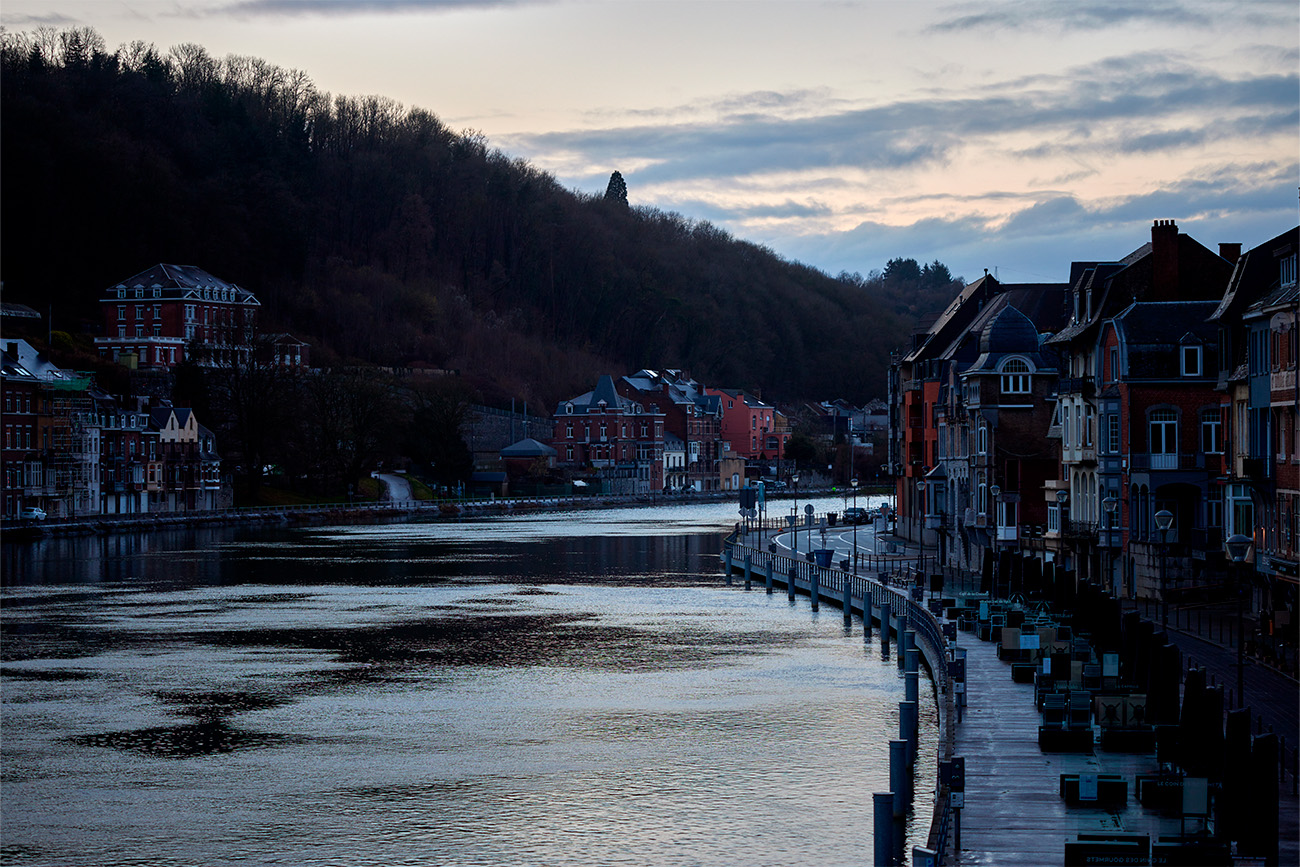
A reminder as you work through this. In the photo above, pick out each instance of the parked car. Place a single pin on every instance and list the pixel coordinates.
(32, 513)
(854, 515)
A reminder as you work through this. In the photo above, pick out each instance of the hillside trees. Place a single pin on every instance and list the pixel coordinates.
(382, 237)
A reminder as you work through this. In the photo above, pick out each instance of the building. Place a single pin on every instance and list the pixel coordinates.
(1132, 393)
(690, 415)
(152, 319)
(613, 439)
(751, 427)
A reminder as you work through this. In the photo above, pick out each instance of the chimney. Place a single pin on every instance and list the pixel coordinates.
(1164, 261)
(1231, 252)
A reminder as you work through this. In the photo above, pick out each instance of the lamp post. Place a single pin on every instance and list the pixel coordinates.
(1238, 547)
(994, 493)
(794, 525)
(853, 483)
(1109, 505)
(1164, 520)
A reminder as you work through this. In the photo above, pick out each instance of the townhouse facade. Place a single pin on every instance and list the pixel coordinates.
(692, 418)
(72, 450)
(613, 439)
(753, 428)
(1121, 437)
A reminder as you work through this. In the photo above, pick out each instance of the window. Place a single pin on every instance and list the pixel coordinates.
(1112, 433)
(1087, 427)
(1287, 272)
(1191, 364)
(568, 430)
(1211, 432)
(1114, 363)
(121, 311)
(1164, 439)
(984, 439)
(1015, 377)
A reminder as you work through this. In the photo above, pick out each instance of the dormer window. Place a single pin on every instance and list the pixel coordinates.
(1287, 275)
(568, 409)
(1191, 360)
(1015, 376)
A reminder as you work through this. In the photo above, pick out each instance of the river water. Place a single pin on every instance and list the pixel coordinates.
(553, 689)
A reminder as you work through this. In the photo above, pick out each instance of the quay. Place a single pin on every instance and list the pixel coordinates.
(1082, 734)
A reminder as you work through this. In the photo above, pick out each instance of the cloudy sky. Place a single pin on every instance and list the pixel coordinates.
(1013, 135)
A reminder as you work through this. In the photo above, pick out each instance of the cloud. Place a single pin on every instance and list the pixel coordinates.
(50, 19)
(355, 7)
(1105, 109)
(1067, 16)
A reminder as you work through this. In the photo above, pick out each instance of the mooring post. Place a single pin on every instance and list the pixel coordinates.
(848, 600)
(911, 654)
(884, 631)
(912, 685)
(812, 586)
(749, 571)
(907, 726)
(866, 612)
(726, 565)
(898, 776)
(902, 638)
(769, 577)
(789, 585)
(883, 806)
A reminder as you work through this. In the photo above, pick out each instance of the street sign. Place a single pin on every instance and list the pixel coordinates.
(808, 509)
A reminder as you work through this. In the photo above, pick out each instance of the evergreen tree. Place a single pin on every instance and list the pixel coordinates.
(617, 190)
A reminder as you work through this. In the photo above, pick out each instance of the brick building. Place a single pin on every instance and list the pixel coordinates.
(615, 440)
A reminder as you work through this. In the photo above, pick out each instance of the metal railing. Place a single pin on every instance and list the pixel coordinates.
(931, 644)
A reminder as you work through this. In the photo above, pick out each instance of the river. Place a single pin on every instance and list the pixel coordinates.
(552, 689)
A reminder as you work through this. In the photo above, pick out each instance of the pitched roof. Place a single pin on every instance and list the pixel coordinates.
(182, 278)
(528, 448)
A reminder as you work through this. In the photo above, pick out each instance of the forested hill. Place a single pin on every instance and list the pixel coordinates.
(379, 235)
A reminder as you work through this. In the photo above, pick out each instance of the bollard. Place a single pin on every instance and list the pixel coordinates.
(749, 572)
(883, 806)
(848, 601)
(789, 585)
(884, 631)
(812, 587)
(898, 777)
(726, 565)
(900, 625)
(911, 656)
(866, 612)
(769, 577)
(907, 725)
(912, 684)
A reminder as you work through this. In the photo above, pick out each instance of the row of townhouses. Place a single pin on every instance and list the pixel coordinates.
(70, 449)
(663, 431)
(1122, 425)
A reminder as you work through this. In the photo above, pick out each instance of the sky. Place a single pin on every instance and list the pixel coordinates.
(1009, 135)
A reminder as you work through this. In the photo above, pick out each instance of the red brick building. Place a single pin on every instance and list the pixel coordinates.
(605, 437)
(751, 426)
(151, 318)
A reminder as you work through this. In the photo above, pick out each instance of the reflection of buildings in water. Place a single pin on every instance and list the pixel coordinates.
(179, 557)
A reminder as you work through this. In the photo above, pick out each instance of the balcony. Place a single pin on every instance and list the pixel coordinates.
(1082, 385)
(1167, 461)
(1079, 531)
(1008, 534)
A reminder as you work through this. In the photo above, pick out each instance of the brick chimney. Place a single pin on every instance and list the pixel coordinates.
(1164, 259)
(1231, 252)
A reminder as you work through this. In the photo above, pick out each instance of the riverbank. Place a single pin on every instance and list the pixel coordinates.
(384, 511)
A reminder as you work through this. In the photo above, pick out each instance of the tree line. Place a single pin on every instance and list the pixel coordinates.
(382, 237)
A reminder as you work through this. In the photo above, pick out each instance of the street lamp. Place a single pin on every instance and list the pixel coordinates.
(994, 493)
(1109, 505)
(794, 525)
(1164, 520)
(853, 483)
(1238, 547)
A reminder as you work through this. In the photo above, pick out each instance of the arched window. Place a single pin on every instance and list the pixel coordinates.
(1015, 376)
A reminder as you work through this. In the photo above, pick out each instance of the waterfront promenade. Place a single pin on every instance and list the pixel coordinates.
(1013, 811)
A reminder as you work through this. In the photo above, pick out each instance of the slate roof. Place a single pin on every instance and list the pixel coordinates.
(1255, 275)
(177, 280)
(1009, 332)
(1153, 332)
(603, 392)
(1042, 303)
(528, 448)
